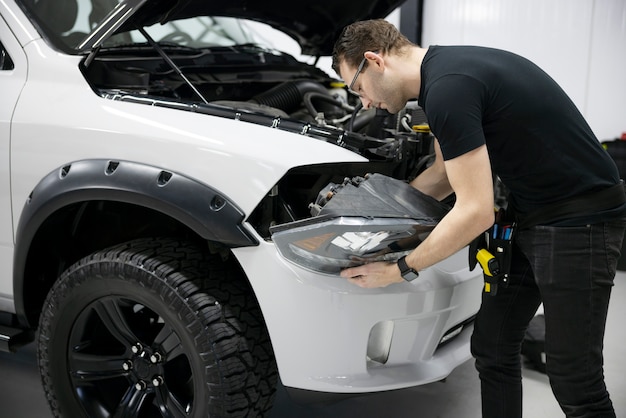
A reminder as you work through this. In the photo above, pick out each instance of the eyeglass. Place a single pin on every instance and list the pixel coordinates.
(358, 71)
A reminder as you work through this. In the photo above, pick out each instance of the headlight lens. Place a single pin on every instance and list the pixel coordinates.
(328, 246)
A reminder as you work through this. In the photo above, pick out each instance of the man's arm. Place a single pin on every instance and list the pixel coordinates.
(434, 181)
(469, 176)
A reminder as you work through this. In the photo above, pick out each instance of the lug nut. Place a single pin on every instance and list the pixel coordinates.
(141, 385)
(156, 358)
(127, 365)
(136, 348)
(157, 381)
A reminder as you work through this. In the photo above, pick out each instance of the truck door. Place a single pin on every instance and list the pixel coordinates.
(12, 78)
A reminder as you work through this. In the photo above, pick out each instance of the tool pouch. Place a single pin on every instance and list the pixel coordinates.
(493, 250)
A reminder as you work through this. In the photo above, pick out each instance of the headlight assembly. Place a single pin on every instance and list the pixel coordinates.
(362, 220)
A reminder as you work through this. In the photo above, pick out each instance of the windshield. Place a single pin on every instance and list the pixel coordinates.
(197, 32)
(67, 23)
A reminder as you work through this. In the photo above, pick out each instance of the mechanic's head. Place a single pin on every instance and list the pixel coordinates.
(370, 58)
(368, 35)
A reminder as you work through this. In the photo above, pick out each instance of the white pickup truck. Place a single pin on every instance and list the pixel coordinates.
(154, 154)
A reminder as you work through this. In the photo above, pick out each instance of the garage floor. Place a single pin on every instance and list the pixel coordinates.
(21, 395)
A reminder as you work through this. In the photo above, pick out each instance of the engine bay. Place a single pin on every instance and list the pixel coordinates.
(246, 78)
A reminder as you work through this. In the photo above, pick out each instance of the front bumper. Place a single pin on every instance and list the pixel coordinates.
(331, 336)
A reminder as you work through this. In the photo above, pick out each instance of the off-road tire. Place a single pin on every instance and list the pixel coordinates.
(155, 328)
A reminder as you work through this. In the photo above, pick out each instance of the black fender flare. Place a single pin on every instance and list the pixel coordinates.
(200, 207)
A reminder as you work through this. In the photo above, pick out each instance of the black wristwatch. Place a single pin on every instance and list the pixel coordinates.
(409, 274)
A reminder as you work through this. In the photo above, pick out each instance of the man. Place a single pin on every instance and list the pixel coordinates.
(495, 113)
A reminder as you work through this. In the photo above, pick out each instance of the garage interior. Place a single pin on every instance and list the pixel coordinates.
(582, 44)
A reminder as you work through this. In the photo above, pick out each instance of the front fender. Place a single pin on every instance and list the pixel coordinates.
(201, 208)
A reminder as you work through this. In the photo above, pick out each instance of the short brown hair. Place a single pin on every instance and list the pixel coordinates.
(367, 35)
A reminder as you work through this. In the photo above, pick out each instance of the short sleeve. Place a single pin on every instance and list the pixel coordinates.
(454, 107)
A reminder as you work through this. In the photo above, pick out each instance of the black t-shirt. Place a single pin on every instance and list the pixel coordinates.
(538, 142)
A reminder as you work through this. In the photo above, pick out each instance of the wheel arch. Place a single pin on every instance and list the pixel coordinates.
(145, 198)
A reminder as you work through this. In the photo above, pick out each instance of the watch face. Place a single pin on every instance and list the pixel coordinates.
(409, 275)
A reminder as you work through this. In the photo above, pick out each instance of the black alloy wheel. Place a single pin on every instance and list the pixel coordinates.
(155, 328)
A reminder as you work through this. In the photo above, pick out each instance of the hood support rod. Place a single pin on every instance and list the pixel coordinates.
(171, 63)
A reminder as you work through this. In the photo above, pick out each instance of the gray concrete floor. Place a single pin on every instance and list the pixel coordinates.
(458, 396)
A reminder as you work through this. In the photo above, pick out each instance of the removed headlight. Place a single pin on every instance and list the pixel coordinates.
(362, 220)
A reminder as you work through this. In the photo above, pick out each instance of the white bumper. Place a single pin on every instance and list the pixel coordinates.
(324, 330)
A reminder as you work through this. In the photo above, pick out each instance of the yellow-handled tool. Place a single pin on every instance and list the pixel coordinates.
(488, 262)
(490, 267)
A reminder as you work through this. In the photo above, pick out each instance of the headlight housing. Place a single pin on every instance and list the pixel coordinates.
(364, 219)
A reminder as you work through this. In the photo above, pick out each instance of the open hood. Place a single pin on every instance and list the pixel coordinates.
(315, 26)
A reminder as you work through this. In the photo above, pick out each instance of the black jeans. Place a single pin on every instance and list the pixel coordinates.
(570, 270)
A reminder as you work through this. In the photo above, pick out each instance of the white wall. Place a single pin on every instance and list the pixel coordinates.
(580, 43)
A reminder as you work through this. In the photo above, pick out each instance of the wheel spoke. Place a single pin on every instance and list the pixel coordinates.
(113, 319)
(130, 404)
(168, 404)
(90, 367)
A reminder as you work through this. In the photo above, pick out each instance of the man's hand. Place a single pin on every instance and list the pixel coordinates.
(371, 275)
(471, 215)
